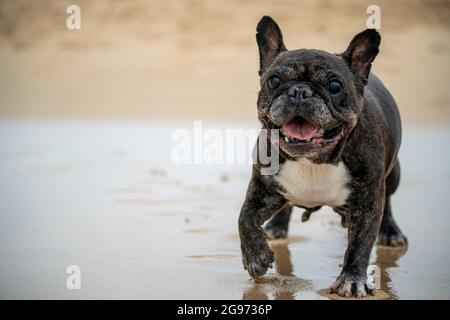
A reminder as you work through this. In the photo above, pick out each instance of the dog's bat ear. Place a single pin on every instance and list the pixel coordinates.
(361, 52)
(270, 42)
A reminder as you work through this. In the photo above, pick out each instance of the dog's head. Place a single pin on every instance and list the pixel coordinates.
(313, 97)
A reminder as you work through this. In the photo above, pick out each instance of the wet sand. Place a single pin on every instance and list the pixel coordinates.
(104, 196)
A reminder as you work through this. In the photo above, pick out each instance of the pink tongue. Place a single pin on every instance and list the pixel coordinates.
(300, 130)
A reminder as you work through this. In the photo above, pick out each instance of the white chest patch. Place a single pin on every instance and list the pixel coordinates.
(311, 185)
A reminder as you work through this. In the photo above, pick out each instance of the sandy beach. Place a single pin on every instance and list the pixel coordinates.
(86, 174)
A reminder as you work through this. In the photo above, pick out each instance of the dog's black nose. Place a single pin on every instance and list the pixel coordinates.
(300, 93)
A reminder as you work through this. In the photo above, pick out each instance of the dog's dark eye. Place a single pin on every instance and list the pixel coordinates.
(335, 86)
(274, 81)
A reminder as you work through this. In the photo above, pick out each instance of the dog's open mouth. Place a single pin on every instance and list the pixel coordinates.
(299, 131)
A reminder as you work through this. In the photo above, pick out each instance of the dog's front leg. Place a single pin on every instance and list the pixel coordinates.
(364, 216)
(260, 204)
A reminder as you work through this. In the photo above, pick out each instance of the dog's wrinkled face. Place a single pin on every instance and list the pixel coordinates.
(313, 97)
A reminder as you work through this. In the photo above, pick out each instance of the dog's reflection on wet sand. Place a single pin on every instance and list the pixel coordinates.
(284, 285)
(386, 259)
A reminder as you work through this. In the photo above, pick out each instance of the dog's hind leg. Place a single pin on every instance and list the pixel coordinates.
(277, 227)
(389, 233)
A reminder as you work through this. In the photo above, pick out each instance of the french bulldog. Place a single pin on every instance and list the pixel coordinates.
(339, 133)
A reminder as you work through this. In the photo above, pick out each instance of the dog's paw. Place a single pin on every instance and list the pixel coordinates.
(348, 285)
(274, 231)
(257, 257)
(392, 239)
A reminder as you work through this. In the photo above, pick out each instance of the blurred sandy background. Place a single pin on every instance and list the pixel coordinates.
(197, 59)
